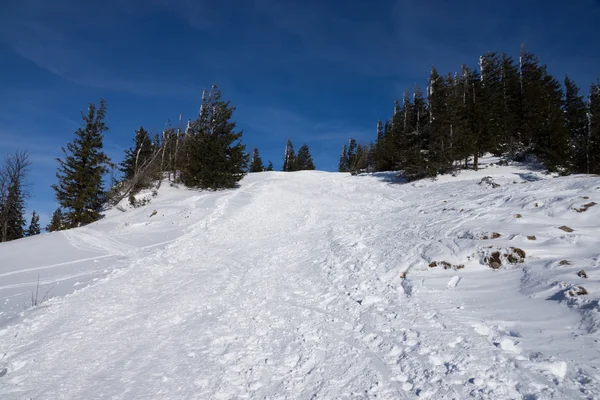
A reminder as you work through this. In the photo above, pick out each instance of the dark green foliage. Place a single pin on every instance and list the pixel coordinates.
(57, 223)
(543, 118)
(577, 124)
(256, 164)
(379, 129)
(215, 158)
(507, 110)
(594, 130)
(304, 160)
(289, 158)
(343, 164)
(491, 94)
(14, 213)
(13, 191)
(384, 152)
(351, 154)
(511, 105)
(34, 225)
(137, 159)
(362, 160)
(439, 149)
(80, 190)
(138, 155)
(270, 166)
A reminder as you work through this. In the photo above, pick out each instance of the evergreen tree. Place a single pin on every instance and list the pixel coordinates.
(464, 104)
(439, 158)
(504, 109)
(511, 106)
(256, 164)
(576, 121)
(13, 192)
(362, 159)
(352, 153)
(270, 166)
(14, 213)
(491, 96)
(593, 152)
(304, 160)
(138, 155)
(34, 225)
(379, 129)
(416, 153)
(544, 124)
(215, 156)
(57, 223)
(343, 164)
(80, 190)
(289, 159)
(554, 145)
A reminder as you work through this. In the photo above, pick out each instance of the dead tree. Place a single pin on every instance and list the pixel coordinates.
(13, 172)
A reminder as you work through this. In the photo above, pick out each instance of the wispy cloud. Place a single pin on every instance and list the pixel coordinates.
(41, 34)
(280, 123)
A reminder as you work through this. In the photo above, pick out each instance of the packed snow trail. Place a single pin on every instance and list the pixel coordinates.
(292, 287)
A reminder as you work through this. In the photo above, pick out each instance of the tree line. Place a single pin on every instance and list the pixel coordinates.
(207, 154)
(506, 107)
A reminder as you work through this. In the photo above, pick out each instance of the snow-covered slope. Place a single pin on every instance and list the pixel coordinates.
(316, 285)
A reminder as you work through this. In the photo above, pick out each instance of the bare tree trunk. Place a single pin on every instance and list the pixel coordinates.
(12, 178)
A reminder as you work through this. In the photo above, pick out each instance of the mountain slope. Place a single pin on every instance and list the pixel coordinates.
(316, 285)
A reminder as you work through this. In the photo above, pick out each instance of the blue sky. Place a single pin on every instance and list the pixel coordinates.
(314, 71)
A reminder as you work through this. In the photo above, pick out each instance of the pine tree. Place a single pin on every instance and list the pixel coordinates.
(256, 164)
(543, 117)
(379, 129)
(289, 159)
(351, 153)
(137, 161)
(554, 145)
(14, 227)
(463, 103)
(137, 156)
(80, 190)
(439, 157)
(362, 159)
(511, 107)
(34, 225)
(416, 153)
(593, 152)
(576, 121)
(343, 163)
(13, 192)
(304, 160)
(491, 94)
(57, 223)
(215, 156)
(270, 166)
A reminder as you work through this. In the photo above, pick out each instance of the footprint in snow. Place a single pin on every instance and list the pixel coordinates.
(453, 282)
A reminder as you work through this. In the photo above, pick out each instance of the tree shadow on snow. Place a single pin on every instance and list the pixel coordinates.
(529, 177)
(391, 177)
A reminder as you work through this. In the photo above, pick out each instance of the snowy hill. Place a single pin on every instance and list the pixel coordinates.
(316, 285)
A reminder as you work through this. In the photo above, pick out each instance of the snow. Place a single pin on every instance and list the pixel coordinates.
(314, 285)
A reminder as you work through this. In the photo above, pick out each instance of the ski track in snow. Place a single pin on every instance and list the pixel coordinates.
(290, 288)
